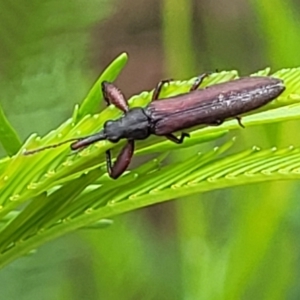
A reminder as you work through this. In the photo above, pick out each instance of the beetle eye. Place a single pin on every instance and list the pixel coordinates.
(114, 139)
(112, 131)
(107, 123)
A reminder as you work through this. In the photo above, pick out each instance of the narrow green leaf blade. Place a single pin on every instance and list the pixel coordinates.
(8, 135)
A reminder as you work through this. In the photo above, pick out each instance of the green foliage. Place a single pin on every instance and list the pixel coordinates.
(9, 138)
(46, 195)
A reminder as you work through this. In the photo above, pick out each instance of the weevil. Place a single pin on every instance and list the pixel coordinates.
(209, 106)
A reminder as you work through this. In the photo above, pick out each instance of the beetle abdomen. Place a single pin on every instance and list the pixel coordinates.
(213, 104)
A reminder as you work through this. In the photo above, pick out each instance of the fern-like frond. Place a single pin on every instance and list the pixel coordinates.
(63, 193)
(69, 207)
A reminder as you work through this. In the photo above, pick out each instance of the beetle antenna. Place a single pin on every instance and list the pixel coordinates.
(33, 151)
(78, 143)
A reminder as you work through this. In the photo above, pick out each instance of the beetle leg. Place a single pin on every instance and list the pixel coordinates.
(175, 139)
(158, 88)
(239, 119)
(112, 95)
(123, 160)
(198, 81)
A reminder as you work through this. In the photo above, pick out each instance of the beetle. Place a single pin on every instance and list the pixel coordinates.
(209, 106)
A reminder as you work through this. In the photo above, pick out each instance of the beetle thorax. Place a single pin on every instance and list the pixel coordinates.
(133, 125)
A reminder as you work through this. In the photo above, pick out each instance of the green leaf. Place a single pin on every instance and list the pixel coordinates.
(8, 135)
(200, 173)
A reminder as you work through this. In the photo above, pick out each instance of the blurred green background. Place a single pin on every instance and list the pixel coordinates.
(232, 244)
